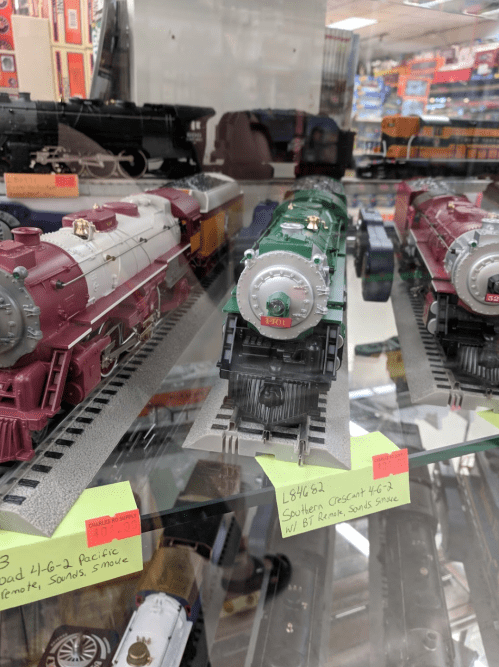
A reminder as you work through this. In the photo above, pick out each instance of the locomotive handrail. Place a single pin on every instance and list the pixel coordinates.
(409, 144)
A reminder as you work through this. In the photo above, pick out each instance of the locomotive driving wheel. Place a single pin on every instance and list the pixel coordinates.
(102, 167)
(78, 650)
(75, 165)
(115, 331)
(133, 164)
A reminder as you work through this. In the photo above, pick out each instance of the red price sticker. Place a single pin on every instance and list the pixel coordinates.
(66, 181)
(390, 464)
(105, 529)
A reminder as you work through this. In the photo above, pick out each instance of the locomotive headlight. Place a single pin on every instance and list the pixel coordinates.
(282, 294)
(278, 304)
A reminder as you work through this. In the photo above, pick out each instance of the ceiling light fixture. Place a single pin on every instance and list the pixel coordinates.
(353, 23)
(427, 4)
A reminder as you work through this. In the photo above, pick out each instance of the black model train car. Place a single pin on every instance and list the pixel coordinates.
(416, 145)
(91, 137)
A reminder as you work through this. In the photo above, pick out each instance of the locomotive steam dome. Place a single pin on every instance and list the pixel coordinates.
(285, 285)
(473, 264)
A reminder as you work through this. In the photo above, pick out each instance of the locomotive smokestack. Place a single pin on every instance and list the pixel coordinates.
(29, 236)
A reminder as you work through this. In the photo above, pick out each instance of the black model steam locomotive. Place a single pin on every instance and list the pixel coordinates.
(98, 139)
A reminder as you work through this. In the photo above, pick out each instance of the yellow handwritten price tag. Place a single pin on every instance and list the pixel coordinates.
(490, 416)
(310, 497)
(33, 568)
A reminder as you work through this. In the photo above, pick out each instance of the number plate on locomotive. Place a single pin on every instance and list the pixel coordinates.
(492, 298)
(279, 322)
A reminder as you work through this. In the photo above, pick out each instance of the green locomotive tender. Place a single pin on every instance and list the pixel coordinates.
(285, 326)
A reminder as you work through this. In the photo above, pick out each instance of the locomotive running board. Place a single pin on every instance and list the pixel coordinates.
(430, 379)
(326, 441)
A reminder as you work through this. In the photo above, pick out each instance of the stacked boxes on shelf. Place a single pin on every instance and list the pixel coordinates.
(71, 37)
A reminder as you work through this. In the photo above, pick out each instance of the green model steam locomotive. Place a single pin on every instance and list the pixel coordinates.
(285, 326)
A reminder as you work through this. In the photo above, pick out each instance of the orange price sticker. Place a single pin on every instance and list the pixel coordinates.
(105, 529)
(41, 185)
(390, 464)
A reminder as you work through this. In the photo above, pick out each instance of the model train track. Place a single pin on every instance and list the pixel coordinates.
(36, 495)
(219, 428)
(430, 377)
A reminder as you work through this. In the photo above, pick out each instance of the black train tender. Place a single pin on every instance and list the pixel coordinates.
(98, 139)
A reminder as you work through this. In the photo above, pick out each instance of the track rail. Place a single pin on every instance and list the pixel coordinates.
(430, 376)
(324, 440)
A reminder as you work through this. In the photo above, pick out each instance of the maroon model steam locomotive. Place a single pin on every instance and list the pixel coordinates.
(72, 301)
(450, 248)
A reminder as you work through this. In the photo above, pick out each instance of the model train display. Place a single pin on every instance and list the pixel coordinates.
(285, 325)
(450, 258)
(414, 145)
(72, 301)
(97, 139)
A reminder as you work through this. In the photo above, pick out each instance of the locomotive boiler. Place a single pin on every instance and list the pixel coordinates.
(97, 139)
(73, 301)
(285, 325)
(450, 256)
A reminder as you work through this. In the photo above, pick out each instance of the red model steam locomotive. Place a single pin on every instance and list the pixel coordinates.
(450, 247)
(71, 302)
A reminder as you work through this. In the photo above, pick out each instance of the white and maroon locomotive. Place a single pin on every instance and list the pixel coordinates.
(71, 302)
